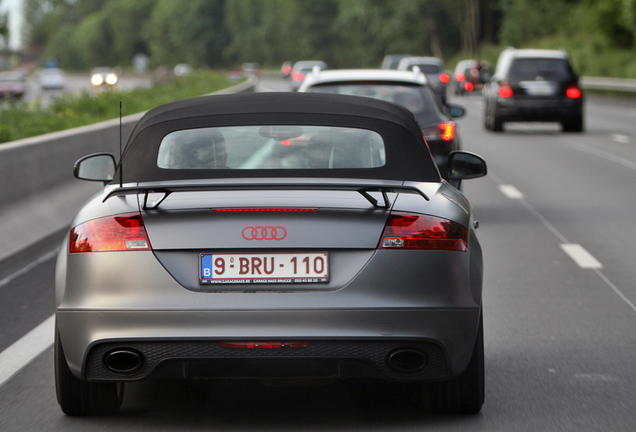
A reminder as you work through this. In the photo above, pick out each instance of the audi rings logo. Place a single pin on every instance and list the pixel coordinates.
(264, 233)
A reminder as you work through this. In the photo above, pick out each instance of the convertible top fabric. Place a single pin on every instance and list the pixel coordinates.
(408, 156)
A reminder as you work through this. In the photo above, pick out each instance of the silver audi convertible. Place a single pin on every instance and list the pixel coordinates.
(279, 237)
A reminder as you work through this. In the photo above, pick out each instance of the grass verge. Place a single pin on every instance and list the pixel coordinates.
(21, 120)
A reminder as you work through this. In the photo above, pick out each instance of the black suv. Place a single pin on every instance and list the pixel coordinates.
(533, 85)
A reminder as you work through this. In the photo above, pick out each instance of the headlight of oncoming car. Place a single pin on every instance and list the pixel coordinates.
(111, 79)
(97, 80)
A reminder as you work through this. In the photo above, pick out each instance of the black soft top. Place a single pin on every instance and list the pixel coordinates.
(408, 156)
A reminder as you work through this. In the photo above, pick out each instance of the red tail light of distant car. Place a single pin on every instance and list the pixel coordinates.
(573, 92)
(460, 77)
(298, 76)
(504, 90)
(443, 131)
(444, 78)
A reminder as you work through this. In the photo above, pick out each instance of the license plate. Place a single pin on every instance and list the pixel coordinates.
(538, 88)
(264, 268)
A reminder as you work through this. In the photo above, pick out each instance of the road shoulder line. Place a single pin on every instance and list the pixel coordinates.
(25, 349)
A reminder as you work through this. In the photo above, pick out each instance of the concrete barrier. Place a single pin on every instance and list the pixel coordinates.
(38, 193)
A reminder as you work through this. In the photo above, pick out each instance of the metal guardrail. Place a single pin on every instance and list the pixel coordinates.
(608, 84)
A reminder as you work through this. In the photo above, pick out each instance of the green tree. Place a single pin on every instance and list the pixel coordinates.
(187, 32)
(124, 20)
(4, 28)
(528, 20)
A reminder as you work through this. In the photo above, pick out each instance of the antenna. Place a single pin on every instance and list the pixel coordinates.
(121, 165)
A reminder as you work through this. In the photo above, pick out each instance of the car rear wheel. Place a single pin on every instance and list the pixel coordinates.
(496, 124)
(77, 397)
(464, 394)
(486, 118)
(574, 125)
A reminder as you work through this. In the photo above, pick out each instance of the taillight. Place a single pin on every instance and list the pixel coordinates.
(460, 77)
(298, 76)
(413, 231)
(573, 92)
(469, 86)
(443, 131)
(287, 70)
(504, 90)
(123, 232)
(263, 345)
(444, 78)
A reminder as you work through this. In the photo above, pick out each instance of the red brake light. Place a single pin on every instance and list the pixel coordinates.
(573, 92)
(469, 86)
(112, 233)
(261, 345)
(413, 231)
(298, 76)
(447, 131)
(252, 210)
(444, 78)
(504, 90)
(460, 77)
(443, 131)
(287, 70)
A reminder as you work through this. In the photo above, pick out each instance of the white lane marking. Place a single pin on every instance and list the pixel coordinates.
(595, 377)
(624, 139)
(24, 350)
(616, 290)
(564, 241)
(35, 263)
(543, 220)
(602, 154)
(581, 257)
(511, 192)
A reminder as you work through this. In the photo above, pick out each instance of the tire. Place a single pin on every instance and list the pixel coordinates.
(496, 124)
(78, 397)
(464, 394)
(574, 125)
(486, 119)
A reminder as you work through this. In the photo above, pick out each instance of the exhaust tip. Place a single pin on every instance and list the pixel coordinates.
(407, 360)
(123, 361)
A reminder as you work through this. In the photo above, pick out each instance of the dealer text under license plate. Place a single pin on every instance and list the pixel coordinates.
(266, 268)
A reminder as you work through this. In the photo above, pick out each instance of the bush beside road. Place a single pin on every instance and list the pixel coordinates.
(21, 120)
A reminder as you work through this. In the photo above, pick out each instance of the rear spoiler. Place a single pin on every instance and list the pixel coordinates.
(363, 188)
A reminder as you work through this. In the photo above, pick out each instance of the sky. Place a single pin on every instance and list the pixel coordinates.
(14, 7)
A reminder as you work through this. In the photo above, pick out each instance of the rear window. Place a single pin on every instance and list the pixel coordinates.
(271, 147)
(426, 68)
(531, 69)
(411, 97)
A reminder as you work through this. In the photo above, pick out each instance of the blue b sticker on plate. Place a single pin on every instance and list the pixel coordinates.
(206, 266)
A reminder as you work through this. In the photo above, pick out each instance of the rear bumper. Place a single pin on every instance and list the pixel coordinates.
(539, 109)
(343, 343)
